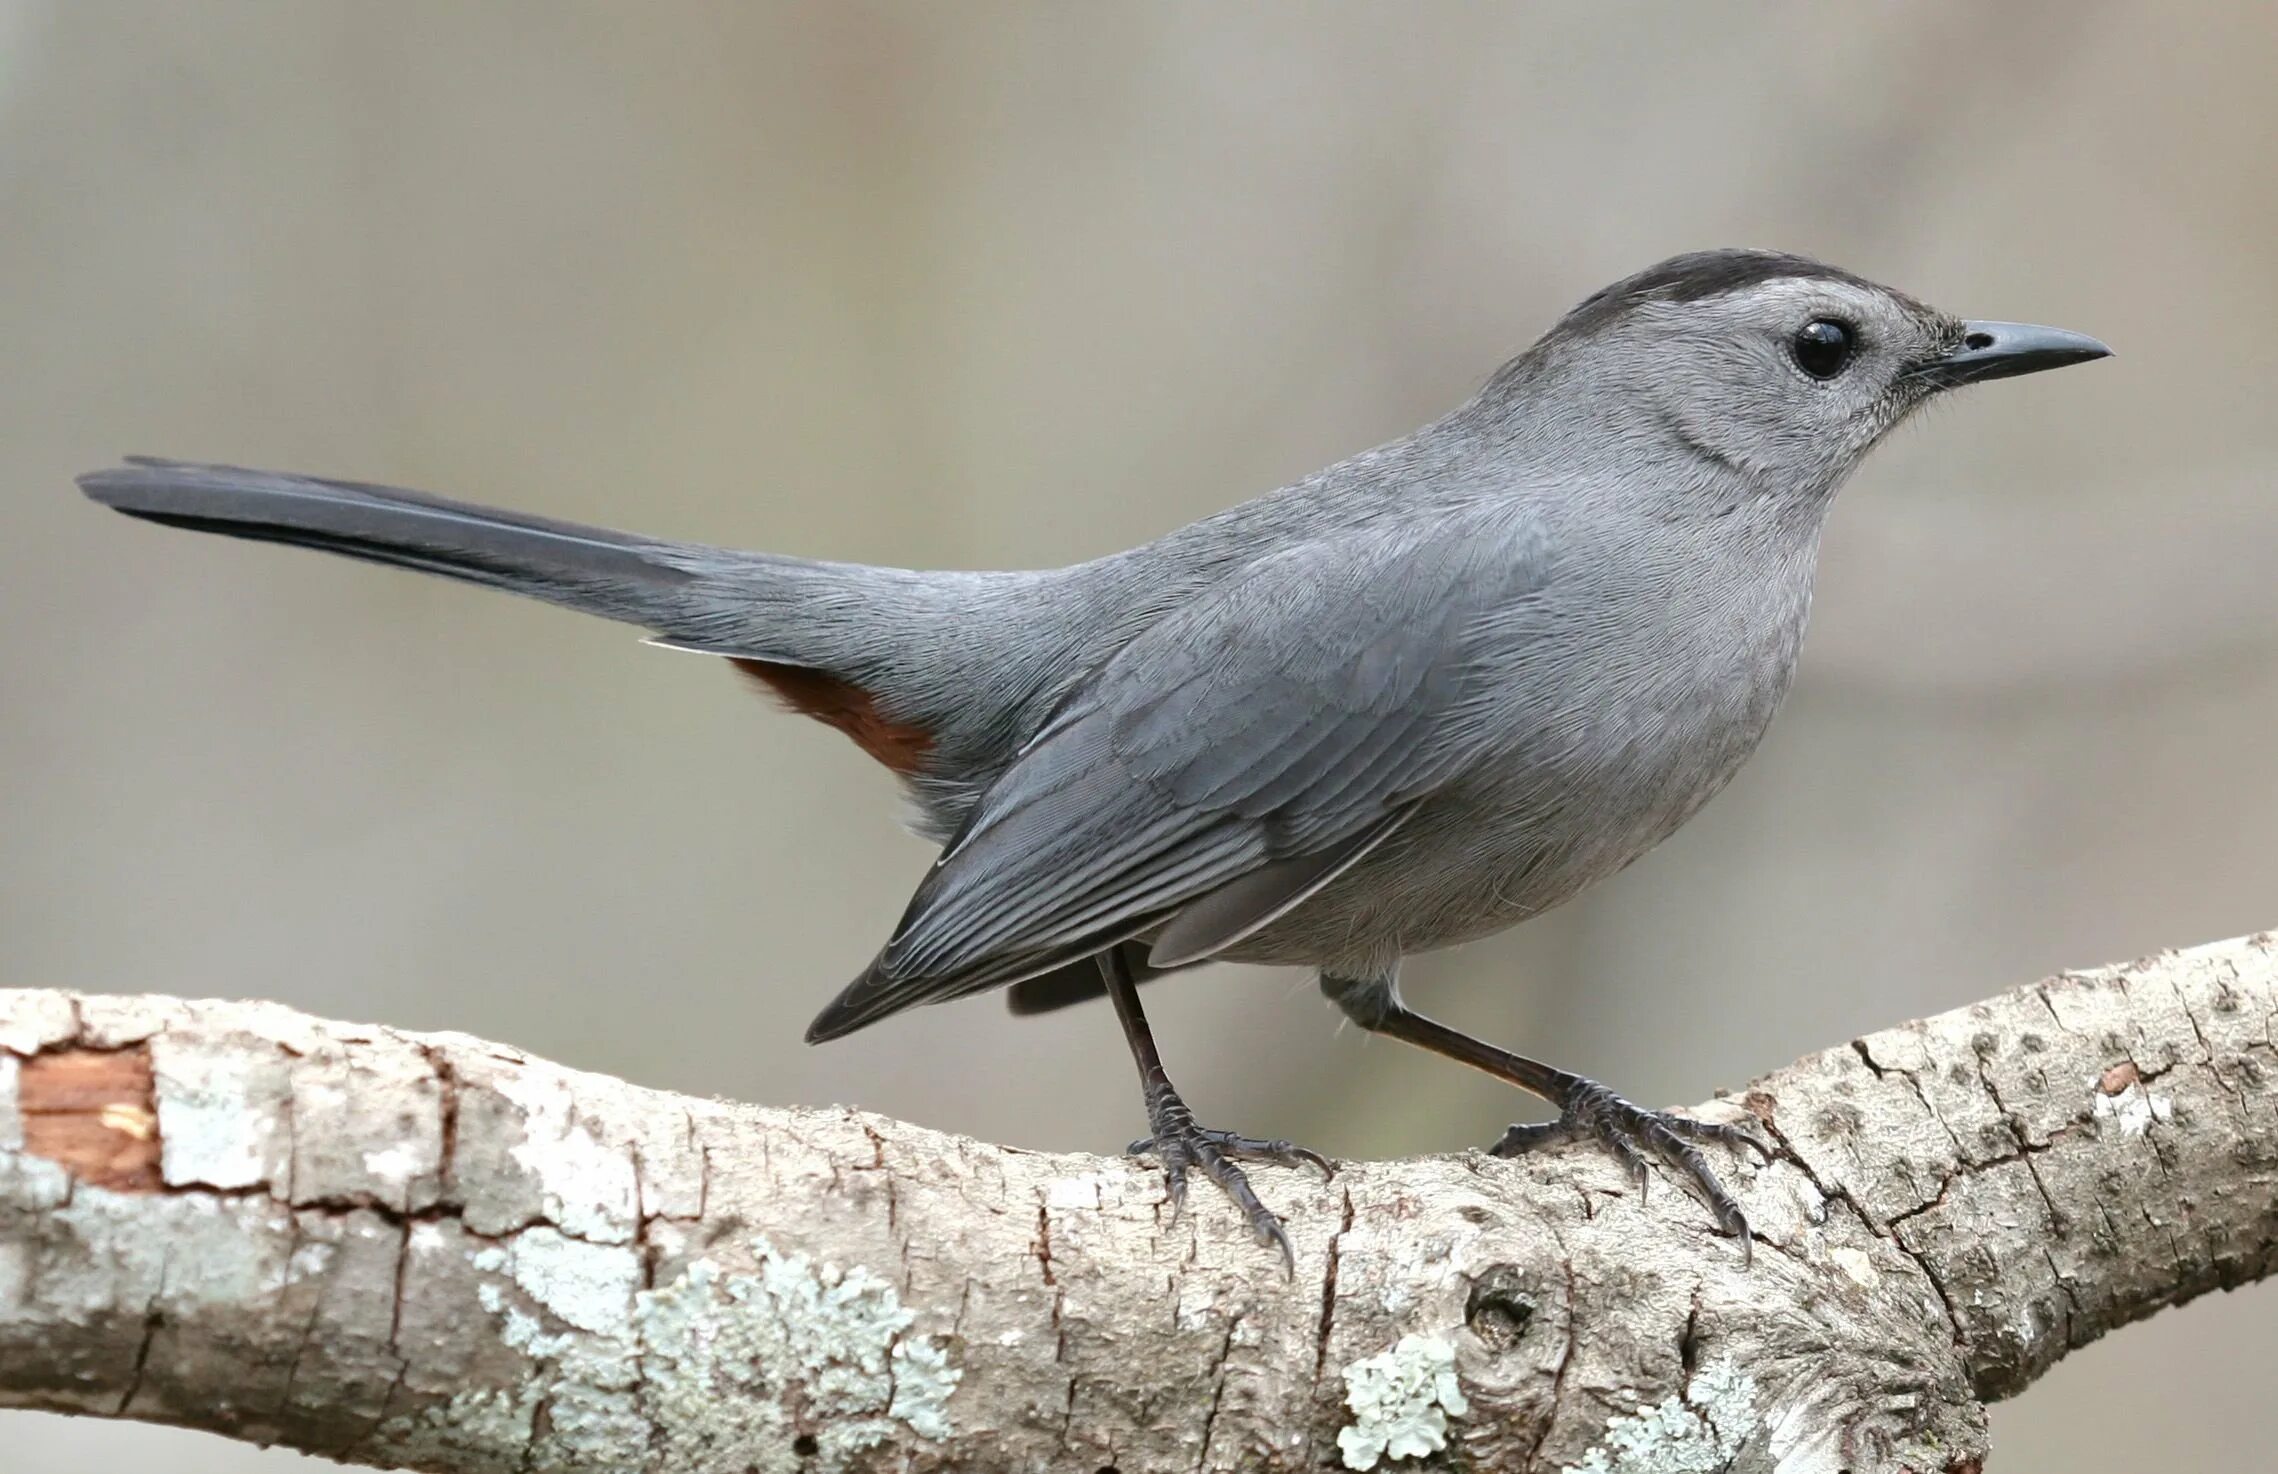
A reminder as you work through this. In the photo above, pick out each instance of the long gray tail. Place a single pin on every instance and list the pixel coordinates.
(591, 569)
(924, 671)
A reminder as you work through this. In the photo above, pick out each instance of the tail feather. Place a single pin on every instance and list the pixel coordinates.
(885, 654)
(592, 569)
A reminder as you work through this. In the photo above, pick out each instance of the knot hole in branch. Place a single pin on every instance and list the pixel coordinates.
(1500, 1307)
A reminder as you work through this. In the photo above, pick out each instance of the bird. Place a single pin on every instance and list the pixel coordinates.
(1410, 700)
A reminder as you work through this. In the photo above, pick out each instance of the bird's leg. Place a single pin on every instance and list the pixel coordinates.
(1177, 1142)
(1585, 1108)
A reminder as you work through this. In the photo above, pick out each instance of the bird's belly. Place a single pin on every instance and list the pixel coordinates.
(1493, 851)
(1439, 885)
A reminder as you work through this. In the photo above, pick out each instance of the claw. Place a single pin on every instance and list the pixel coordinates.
(1630, 1132)
(1272, 1232)
(1178, 1143)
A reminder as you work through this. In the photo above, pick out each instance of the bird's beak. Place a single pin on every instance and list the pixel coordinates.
(1997, 350)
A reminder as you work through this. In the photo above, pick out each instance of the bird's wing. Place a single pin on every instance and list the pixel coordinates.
(1234, 757)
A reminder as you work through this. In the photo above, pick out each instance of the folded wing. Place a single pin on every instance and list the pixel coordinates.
(1232, 759)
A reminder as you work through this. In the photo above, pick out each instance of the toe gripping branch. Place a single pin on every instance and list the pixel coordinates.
(1177, 1141)
(1586, 1109)
(1637, 1136)
(1179, 1144)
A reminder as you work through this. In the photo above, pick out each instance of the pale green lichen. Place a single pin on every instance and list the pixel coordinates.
(476, 1429)
(589, 1286)
(1401, 1400)
(1696, 1431)
(795, 1337)
(714, 1373)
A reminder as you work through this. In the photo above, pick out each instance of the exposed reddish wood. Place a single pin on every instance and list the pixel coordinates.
(92, 1112)
(843, 705)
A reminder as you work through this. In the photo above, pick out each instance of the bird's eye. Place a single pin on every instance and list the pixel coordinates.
(1822, 348)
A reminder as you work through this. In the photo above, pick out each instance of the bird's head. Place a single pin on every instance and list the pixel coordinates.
(1755, 368)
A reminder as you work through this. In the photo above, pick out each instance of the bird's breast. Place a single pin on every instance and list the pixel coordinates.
(1608, 738)
(1668, 710)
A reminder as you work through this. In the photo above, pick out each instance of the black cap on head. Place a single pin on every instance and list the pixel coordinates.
(1698, 274)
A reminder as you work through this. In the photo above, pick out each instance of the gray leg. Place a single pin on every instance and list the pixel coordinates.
(1585, 1108)
(1177, 1141)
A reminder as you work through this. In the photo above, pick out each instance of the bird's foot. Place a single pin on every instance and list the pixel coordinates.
(1179, 1144)
(1635, 1134)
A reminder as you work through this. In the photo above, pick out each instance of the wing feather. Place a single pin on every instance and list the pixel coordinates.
(1229, 761)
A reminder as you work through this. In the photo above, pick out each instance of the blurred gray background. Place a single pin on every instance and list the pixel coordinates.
(1004, 284)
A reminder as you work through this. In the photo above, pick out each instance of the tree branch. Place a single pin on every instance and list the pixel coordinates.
(428, 1252)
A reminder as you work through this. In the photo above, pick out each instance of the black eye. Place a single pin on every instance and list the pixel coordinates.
(1822, 348)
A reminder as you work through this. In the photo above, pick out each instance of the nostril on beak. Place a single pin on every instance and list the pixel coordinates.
(1978, 340)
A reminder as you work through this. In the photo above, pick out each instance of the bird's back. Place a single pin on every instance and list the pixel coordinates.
(981, 660)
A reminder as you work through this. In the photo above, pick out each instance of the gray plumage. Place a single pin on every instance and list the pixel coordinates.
(1412, 699)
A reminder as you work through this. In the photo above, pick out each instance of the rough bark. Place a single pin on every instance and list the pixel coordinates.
(429, 1252)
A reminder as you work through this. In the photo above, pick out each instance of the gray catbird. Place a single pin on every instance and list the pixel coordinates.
(1407, 701)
